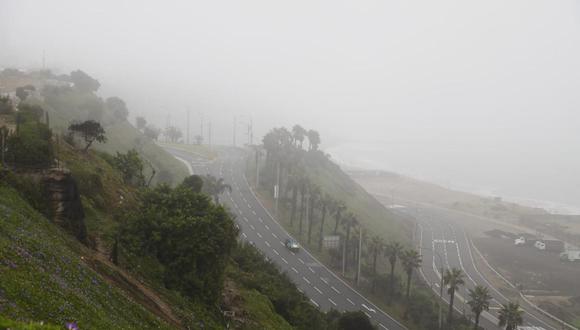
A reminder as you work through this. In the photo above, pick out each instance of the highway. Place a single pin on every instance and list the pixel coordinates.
(444, 243)
(322, 286)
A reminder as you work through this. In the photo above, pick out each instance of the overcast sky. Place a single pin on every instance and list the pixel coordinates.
(483, 95)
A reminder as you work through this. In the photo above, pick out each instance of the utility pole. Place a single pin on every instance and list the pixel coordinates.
(201, 127)
(277, 190)
(187, 138)
(343, 257)
(235, 123)
(359, 254)
(257, 167)
(209, 134)
(441, 297)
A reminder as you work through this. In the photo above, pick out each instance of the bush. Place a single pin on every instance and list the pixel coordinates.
(31, 146)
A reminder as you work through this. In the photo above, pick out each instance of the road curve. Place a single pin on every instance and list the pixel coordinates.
(322, 286)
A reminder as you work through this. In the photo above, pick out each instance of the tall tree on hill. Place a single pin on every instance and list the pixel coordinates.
(90, 131)
(152, 132)
(348, 222)
(393, 252)
(337, 210)
(294, 185)
(83, 82)
(118, 107)
(452, 279)
(298, 133)
(479, 299)
(173, 134)
(377, 244)
(313, 140)
(411, 260)
(314, 199)
(325, 203)
(304, 181)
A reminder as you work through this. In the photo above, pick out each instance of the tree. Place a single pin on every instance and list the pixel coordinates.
(193, 182)
(393, 252)
(23, 91)
(173, 134)
(6, 106)
(479, 299)
(313, 140)
(338, 209)
(152, 132)
(314, 199)
(348, 223)
(198, 139)
(118, 107)
(131, 166)
(140, 122)
(354, 321)
(298, 133)
(411, 260)
(452, 279)
(90, 131)
(215, 187)
(83, 82)
(510, 316)
(377, 244)
(325, 202)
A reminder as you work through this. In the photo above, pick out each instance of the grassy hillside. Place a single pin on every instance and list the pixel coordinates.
(45, 275)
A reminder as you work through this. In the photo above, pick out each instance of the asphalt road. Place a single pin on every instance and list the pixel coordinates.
(445, 244)
(322, 286)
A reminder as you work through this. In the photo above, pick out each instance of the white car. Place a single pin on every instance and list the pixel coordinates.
(520, 241)
(540, 245)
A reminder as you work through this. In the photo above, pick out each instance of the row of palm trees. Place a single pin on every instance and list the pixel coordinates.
(510, 314)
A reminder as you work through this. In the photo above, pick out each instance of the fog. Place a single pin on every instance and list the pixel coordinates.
(482, 96)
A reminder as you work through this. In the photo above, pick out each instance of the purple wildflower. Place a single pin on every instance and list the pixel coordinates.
(72, 326)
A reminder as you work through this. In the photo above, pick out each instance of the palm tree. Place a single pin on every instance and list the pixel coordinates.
(348, 222)
(314, 200)
(411, 260)
(304, 184)
(510, 316)
(338, 209)
(215, 187)
(393, 251)
(376, 246)
(298, 133)
(294, 184)
(326, 202)
(313, 139)
(453, 279)
(479, 301)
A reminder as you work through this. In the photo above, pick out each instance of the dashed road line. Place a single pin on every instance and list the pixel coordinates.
(305, 280)
(317, 289)
(259, 235)
(276, 236)
(267, 243)
(314, 302)
(285, 261)
(277, 253)
(302, 261)
(335, 290)
(294, 269)
(267, 228)
(350, 301)
(311, 270)
(332, 302)
(252, 226)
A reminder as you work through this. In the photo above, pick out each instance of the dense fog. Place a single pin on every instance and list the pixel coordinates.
(481, 96)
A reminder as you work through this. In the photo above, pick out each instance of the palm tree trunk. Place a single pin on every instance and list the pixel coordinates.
(476, 327)
(321, 227)
(310, 216)
(409, 275)
(346, 247)
(294, 202)
(392, 282)
(451, 300)
(375, 255)
(301, 212)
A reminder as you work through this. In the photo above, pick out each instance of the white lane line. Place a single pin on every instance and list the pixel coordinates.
(245, 219)
(285, 261)
(274, 235)
(295, 271)
(382, 326)
(324, 280)
(282, 243)
(252, 226)
(302, 261)
(335, 290)
(244, 235)
(267, 243)
(254, 212)
(260, 219)
(305, 280)
(311, 270)
(332, 302)
(367, 314)
(249, 206)
(314, 302)
(317, 289)
(277, 253)
(267, 228)
(300, 290)
(351, 302)
(259, 235)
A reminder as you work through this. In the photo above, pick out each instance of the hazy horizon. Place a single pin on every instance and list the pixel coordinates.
(476, 95)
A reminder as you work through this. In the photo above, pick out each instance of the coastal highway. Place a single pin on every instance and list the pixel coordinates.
(444, 243)
(319, 284)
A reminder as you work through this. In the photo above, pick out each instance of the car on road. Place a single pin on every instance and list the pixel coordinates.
(292, 245)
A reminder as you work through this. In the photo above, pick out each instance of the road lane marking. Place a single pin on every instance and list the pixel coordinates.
(314, 302)
(294, 269)
(260, 219)
(324, 280)
(267, 243)
(317, 289)
(350, 301)
(335, 290)
(368, 308)
(245, 219)
(311, 270)
(285, 261)
(382, 326)
(302, 261)
(305, 280)
(267, 228)
(254, 212)
(332, 302)
(252, 226)
(244, 235)
(259, 235)
(277, 253)
(367, 314)
(274, 235)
